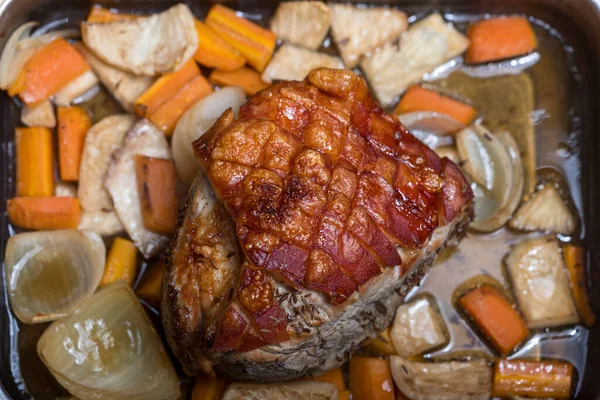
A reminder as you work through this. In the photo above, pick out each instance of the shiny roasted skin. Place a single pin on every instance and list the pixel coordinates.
(324, 187)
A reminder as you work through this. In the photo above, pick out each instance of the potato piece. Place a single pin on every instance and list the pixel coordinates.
(537, 272)
(304, 23)
(294, 63)
(77, 88)
(298, 390)
(104, 223)
(416, 328)
(452, 380)
(121, 182)
(101, 140)
(426, 45)
(123, 86)
(40, 115)
(546, 211)
(148, 46)
(359, 30)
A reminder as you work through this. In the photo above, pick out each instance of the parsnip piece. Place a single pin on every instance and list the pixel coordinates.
(294, 63)
(426, 45)
(298, 390)
(124, 86)
(121, 182)
(538, 275)
(104, 223)
(416, 328)
(77, 88)
(40, 115)
(545, 211)
(359, 30)
(303, 23)
(148, 46)
(101, 140)
(452, 380)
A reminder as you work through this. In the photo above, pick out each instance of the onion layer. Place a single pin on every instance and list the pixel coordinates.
(108, 349)
(50, 273)
(195, 122)
(432, 128)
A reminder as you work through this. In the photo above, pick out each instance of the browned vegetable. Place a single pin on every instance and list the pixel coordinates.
(538, 379)
(575, 260)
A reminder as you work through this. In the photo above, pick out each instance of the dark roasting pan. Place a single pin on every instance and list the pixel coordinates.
(576, 22)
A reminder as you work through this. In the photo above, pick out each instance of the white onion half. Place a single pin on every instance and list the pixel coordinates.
(432, 128)
(108, 349)
(195, 122)
(48, 274)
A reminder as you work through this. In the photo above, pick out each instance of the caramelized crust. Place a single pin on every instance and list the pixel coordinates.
(323, 186)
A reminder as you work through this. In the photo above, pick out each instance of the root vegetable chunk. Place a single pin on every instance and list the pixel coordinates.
(416, 328)
(539, 277)
(303, 23)
(293, 63)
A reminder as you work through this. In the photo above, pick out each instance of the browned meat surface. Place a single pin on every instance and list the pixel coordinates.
(337, 212)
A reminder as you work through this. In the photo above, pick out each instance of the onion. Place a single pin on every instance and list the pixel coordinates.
(497, 174)
(50, 273)
(507, 67)
(195, 122)
(21, 46)
(108, 349)
(430, 127)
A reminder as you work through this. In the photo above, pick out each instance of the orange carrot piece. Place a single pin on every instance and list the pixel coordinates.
(50, 69)
(121, 262)
(493, 314)
(335, 376)
(575, 261)
(208, 388)
(18, 85)
(256, 44)
(165, 88)
(35, 162)
(156, 180)
(535, 379)
(417, 98)
(246, 78)
(382, 344)
(44, 213)
(499, 38)
(371, 379)
(166, 116)
(73, 124)
(344, 395)
(101, 14)
(215, 52)
(150, 288)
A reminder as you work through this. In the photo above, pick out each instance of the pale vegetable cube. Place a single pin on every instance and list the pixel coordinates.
(304, 23)
(293, 63)
(417, 328)
(539, 278)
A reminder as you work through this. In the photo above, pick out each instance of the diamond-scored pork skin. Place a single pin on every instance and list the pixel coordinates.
(333, 211)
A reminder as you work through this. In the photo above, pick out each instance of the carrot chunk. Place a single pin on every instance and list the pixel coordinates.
(417, 98)
(101, 14)
(382, 344)
(493, 314)
(156, 179)
(246, 78)
(165, 88)
(575, 261)
(35, 162)
(165, 117)
(208, 388)
(150, 288)
(344, 395)
(121, 262)
(44, 213)
(256, 44)
(50, 69)
(371, 379)
(215, 52)
(499, 38)
(73, 124)
(537, 379)
(335, 376)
